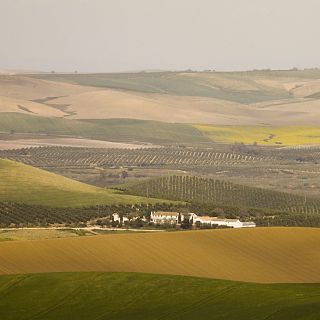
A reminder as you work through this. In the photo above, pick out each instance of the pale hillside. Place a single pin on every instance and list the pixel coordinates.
(247, 98)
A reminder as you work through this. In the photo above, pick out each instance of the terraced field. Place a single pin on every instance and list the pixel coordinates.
(266, 255)
(26, 184)
(123, 296)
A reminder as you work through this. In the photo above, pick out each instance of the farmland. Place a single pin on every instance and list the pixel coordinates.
(262, 135)
(293, 170)
(104, 295)
(25, 184)
(242, 87)
(218, 98)
(159, 160)
(25, 215)
(33, 234)
(152, 157)
(80, 147)
(122, 130)
(202, 190)
(265, 255)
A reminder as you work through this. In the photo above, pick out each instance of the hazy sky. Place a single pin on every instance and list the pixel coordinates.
(127, 35)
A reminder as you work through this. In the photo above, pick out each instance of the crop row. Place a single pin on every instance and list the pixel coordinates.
(85, 157)
(203, 190)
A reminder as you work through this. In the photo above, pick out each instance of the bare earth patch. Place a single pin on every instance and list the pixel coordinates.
(67, 142)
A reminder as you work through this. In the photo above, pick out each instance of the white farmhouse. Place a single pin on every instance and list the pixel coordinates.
(231, 223)
(161, 217)
(248, 224)
(117, 218)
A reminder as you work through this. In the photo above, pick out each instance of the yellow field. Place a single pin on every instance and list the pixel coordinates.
(266, 255)
(26, 184)
(291, 135)
(39, 234)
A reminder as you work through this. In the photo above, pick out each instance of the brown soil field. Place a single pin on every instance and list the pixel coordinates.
(67, 142)
(264, 255)
(110, 103)
(8, 104)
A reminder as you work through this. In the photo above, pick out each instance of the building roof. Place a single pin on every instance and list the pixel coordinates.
(166, 214)
(248, 223)
(207, 218)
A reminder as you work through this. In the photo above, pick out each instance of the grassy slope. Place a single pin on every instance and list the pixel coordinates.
(26, 184)
(112, 129)
(266, 255)
(130, 130)
(293, 135)
(139, 296)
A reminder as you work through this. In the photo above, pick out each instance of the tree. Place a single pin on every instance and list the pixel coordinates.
(186, 224)
(124, 174)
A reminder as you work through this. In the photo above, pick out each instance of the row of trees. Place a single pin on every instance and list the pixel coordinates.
(82, 157)
(204, 190)
(22, 215)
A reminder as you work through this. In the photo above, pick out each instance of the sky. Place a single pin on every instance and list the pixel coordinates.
(132, 35)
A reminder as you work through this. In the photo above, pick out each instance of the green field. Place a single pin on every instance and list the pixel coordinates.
(26, 184)
(131, 130)
(126, 296)
(127, 130)
(293, 135)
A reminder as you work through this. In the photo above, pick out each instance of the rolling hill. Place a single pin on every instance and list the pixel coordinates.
(26, 184)
(220, 192)
(278, 98)
(241, 87)
(262, 135)
(123, 296)
(128, 130)
(265, 255)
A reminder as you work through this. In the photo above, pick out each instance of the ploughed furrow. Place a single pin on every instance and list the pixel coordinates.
(265, 255)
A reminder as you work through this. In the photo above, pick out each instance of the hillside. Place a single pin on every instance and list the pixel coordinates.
(262, 135)
(147, 131)
(104, 295)
(204, 190)
(265, 255)
(248, 98)
(242, 87)
(127, 130)
(26, 184)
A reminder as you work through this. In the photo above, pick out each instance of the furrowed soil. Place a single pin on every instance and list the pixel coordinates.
(264, 255)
